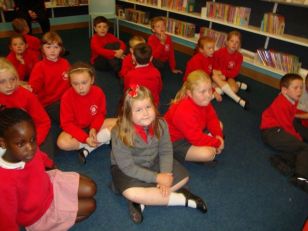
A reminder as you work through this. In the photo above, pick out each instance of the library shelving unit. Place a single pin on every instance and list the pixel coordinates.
(248, 55)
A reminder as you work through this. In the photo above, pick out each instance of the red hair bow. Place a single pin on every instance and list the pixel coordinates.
(133, 90)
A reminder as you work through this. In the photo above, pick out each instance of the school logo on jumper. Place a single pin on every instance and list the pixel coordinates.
(93, 109)
(167, 47)
(64, 75)
(231, 64)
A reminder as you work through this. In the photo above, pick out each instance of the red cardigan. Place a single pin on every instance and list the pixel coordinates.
(162, 52)
(199, 62)
(99, 42)
(25, 194)
(49, 80)
(26, 100)
(78, 112)
(280, 113)
(228, 64)
(187, 120)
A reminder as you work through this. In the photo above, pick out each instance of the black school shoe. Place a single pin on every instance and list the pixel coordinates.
(300, 182)
(282, 165)
(201, 205)
(82, 155)
(135, 212)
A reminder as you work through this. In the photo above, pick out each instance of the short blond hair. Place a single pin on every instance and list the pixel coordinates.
(6, 65)
(157, 19)
(135, 40)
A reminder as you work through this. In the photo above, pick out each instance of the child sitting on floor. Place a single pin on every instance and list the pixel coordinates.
(142, 165)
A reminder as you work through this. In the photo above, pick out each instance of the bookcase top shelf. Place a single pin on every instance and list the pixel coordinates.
(253, 29)
(291, 3)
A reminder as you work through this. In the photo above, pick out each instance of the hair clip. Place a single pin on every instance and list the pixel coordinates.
(133, 90)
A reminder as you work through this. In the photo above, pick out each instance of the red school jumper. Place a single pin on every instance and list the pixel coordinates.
(34, 44)
(127, 65)
(228, 64)
(147, 76)
(199, 62)
(82, 111)
(23, 70)
(162, 52)
(25, 194)
(187, 120)
(99, 42)
(49, 80)
(280, 113)
(26, 100)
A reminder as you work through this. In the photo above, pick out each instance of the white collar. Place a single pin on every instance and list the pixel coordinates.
(7, 165)
(289, 99)
(142, 65)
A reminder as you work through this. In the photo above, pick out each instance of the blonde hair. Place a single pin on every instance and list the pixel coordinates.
(53, 37)
(157, 19)
(135, 40)
(81, 67)
(125, 127)
(193, 80)
(6, 65)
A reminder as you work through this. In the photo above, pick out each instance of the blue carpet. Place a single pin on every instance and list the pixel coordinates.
(243, 191)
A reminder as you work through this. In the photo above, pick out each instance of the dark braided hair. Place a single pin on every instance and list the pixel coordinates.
(11, 116)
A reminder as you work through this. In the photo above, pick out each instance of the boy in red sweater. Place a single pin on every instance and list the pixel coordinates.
(128, 62)
(278, 132)
(226, 67)
(49, 78)
(162, 46)
(107, 51)
(21, 27)
(144, 74)
(21, 57)
(195, 130)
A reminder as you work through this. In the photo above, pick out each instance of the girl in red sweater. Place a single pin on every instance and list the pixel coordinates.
(82, 113)
(49, 76)
(21, 57)
(30, 196)
(13, 95)
(227, 64)
(195, 130)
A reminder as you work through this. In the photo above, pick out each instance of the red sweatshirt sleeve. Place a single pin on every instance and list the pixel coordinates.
(187, 121)
(20, 68)
(157, 47)
(37, 78)
(213, 123)
(99, 118)
(67, 119)
(48, 163)
(40, 117)
(127, 65)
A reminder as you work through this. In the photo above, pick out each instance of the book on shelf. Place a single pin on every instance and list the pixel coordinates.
(136, 16)
(179, 5)
(273, 23)
(278, 60)
(219, 37)
(178, 27)
(237, 15)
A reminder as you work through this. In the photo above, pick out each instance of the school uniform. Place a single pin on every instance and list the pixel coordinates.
(103, 51)
(28, 194)
(49, 81)
(188, 121)
(23, 70)
(78, 112)
(199, 62)
(127, 65)
(277, 131)
(162, 53)
(228, 64)
(147, 76)
(34, 44)
(139, 165)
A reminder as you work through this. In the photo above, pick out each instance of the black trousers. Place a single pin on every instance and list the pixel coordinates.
(290, 148)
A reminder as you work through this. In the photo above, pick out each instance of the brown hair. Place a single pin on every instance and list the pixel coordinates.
(17, 36)
(100, 19)
(19, 25)
(157, 19)
(53, 37)
(287, 79)
(204, 40)
(125, 127)
(234, 33)
(80, 67)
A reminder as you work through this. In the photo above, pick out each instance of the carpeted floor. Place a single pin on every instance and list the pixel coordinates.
(243, 191)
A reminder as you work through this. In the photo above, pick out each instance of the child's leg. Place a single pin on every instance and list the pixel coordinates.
(232, 83)
(104, 134)
(67, 142)
(200, 154)
(86, 202)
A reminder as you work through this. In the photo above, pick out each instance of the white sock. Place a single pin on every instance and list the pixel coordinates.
(227, 89)
(178, 199)
(85, 146)
(2, 151)
(142, 206)
(219, 91)
(104, 136)
(242, 86)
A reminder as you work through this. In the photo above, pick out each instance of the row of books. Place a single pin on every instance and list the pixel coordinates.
(68, 2)
(273, 23)
(237, 15)
(219, 37)
(180, 5)
(151, 2)
(181, 28)
(133, 15)
(282, 61)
